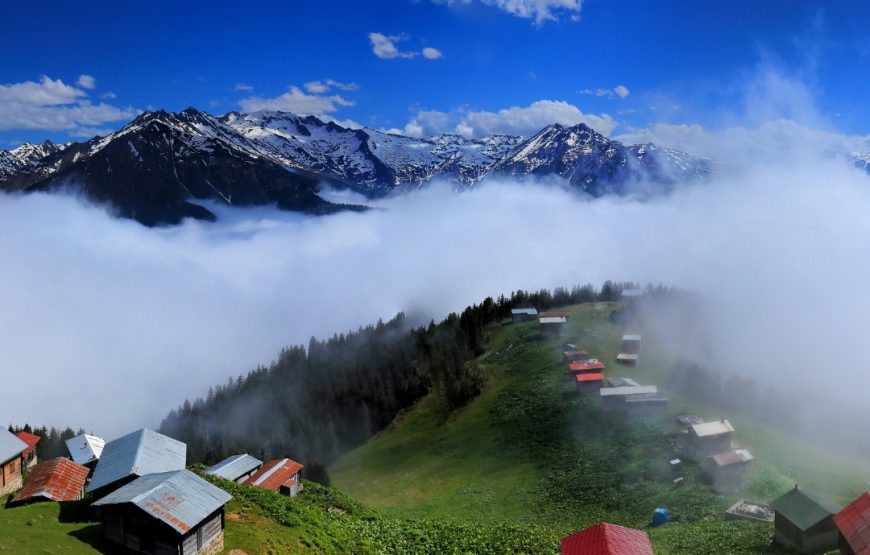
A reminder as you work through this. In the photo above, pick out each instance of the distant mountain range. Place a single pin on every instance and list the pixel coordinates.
(161, 166)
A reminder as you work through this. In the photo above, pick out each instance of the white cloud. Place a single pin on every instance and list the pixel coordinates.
(86, 82)
(526, 120)
(108, 95)
(539, 10)
(297, 101)
(51, 104)
(620, 91)
(244, 87)
(384, 47)
(320, 87)
(431, 53)
(425, 123)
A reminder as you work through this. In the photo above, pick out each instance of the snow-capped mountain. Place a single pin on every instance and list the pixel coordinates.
(156, 168)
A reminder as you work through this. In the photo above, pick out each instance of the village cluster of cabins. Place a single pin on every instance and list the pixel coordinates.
(139, 487)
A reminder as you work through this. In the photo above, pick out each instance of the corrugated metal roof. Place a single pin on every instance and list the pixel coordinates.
(622, 382)
(607, 539)
(627, 356)
(586, 365)
(732, 456)
(803, 509)
(30, 439)
(631, 337)
(232, 468)
(628, 390)
(181, 499)
(274, 474)
(85, 448)
(139, 453)
(715, 428)
(594, 377)
(854, 523)
(58, 480)
(10, 445)
(529, 311)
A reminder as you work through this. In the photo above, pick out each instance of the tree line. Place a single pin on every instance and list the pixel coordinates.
(314, 403)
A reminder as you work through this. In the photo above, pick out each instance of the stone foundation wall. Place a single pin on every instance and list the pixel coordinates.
(14, 485)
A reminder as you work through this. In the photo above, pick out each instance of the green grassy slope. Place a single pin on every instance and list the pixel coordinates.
(530, 451)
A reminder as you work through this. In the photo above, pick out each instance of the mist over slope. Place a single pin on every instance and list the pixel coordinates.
(114, 323)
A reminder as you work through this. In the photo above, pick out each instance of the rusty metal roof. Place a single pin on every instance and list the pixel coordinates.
(233, 468)
(586, 366)
(854, 524)
(139, 453)
(58, 480)
(85, 448)
(30, 439)
(593, 377)
(732, 456)
(181, 499)
(10, 445)
(274, 474)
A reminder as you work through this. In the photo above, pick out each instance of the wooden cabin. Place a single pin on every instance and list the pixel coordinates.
(237, 468)
(55, 480)
(169, 512)
(804, 522)
(552, 324)
(726, 470)
(11, 449)
(708, 439)
(606, 539)
(281, 475)
(589, 382)
(853, 523)
(28, 457)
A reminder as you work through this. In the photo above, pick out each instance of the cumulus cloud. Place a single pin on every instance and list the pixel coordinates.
(86, 82)
(297, 101)
(320, 87)
(619, 91)
(51, 104)
(539, 10)
(525, 120)
(244, 87)
(384, 47)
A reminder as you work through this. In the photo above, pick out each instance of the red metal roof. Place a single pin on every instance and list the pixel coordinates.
(58, 479)
(594, 377)
(274, 474)
(586, 366)
(31, 441)
(854, 524)
(607, 539)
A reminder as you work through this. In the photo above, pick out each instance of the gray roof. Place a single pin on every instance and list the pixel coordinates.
(181, 499)
(139, 453)
(627, 390)
(232, 468)
(530, 311)
(10, 445)
(631, 337)
(85, 448)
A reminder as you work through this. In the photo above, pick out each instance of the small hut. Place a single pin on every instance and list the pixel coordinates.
(630, 344)
(28, 457)
(237, 468)
(589, 382)
(552, 324)
(282, 475)
(617, 398)
(853, 523)
(575, 355)
(523, 314)
(726, 470)
(607, 539)
(133, 455)
(168, 512)
(56, 480)
(11, 449)
(805, 522)
(708, 439)
(586, 366)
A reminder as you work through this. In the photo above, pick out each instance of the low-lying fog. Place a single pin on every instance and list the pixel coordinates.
(108, 325)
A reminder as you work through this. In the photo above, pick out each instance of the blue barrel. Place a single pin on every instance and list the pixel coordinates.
(660, 516)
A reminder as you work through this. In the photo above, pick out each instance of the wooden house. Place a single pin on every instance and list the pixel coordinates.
(237, 468)
(165, 513)
(282, 475)
(607, 539)
(55, 480)
(708, 439)
(28, 457)
(726, 470)
(11, 449)
(804, 522)
(523, 314)
(853, 523)
(552, 324)
(133, 455)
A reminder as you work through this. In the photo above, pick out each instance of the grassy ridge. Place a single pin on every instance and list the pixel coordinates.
(530, 451)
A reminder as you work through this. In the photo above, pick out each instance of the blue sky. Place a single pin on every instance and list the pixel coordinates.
(72, 70)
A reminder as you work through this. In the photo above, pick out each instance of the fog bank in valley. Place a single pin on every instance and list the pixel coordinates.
(108, 325)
